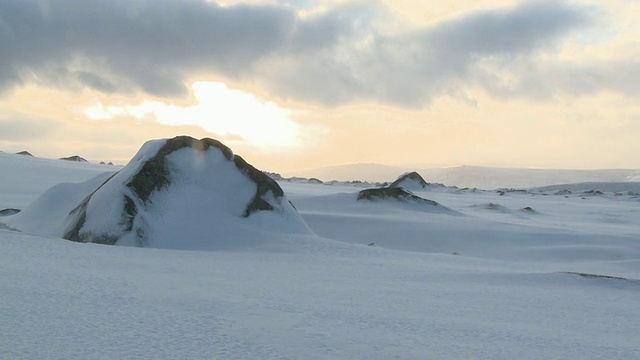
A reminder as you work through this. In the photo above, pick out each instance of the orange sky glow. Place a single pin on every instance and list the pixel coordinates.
(400, 83)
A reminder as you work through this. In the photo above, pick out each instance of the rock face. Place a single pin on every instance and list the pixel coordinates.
(184, 193)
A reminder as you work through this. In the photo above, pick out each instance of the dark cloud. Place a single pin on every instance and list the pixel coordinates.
(419, 65)
(149, 44)
(95, 82)
(332, 57)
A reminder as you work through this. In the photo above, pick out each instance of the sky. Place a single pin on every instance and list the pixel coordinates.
(302, 84)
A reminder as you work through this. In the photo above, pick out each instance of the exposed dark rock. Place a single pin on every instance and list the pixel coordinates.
(492, 207)
(511, 190)
(79, 216)
(315, 181)
(412, 177)
(24, 153)
(392, 193)
(9, 212)
(265, 185)
(75, 158)
(598, 276)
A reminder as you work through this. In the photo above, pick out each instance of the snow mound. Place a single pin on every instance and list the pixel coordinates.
(181, 193)
(494, 207)
(46, 215)
(401, 195)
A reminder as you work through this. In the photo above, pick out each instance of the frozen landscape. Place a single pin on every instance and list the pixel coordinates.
(321, 271)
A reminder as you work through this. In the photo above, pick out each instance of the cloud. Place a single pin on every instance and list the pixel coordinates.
(21, 127)
(236, 117)
(329, 56)
(152, 45)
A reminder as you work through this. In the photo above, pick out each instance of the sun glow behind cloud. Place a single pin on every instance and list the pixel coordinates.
(233, 115)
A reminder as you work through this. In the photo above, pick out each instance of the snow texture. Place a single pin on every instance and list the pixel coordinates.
(489, 282)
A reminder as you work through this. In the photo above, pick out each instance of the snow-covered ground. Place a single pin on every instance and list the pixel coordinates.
(522, 275)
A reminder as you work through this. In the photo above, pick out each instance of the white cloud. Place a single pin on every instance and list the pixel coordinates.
(228, 113)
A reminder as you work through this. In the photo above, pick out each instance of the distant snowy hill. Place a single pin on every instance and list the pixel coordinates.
(473, 176)
(177, 193)
(611, 187)
(363, 172)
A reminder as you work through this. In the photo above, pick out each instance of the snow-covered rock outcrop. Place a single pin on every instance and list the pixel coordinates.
(182, 193)
(412, 181)
(398, 194)
(75, 158)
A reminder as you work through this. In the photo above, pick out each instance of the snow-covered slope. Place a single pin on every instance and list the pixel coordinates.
(503, 275)
(24, 178)
(517, 226)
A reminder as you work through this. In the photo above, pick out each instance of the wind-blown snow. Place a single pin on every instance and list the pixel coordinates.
(476, 283)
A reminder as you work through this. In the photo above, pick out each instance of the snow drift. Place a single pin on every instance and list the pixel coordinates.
(179, 193)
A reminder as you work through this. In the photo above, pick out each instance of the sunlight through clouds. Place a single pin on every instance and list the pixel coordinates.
(227, 113)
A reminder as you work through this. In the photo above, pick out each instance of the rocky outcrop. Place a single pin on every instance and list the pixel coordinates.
(395, 193)
(409, 180)
(75, 158)
(413, 181)
(9, 212)
(181, 187)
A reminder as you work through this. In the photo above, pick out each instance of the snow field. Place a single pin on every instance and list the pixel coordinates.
(485, 281)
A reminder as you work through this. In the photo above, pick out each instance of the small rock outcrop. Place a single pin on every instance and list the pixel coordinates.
(9, 212)
(396, 193)
(404, 197)
(26, 153)
(410, 181)
(75, 158)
